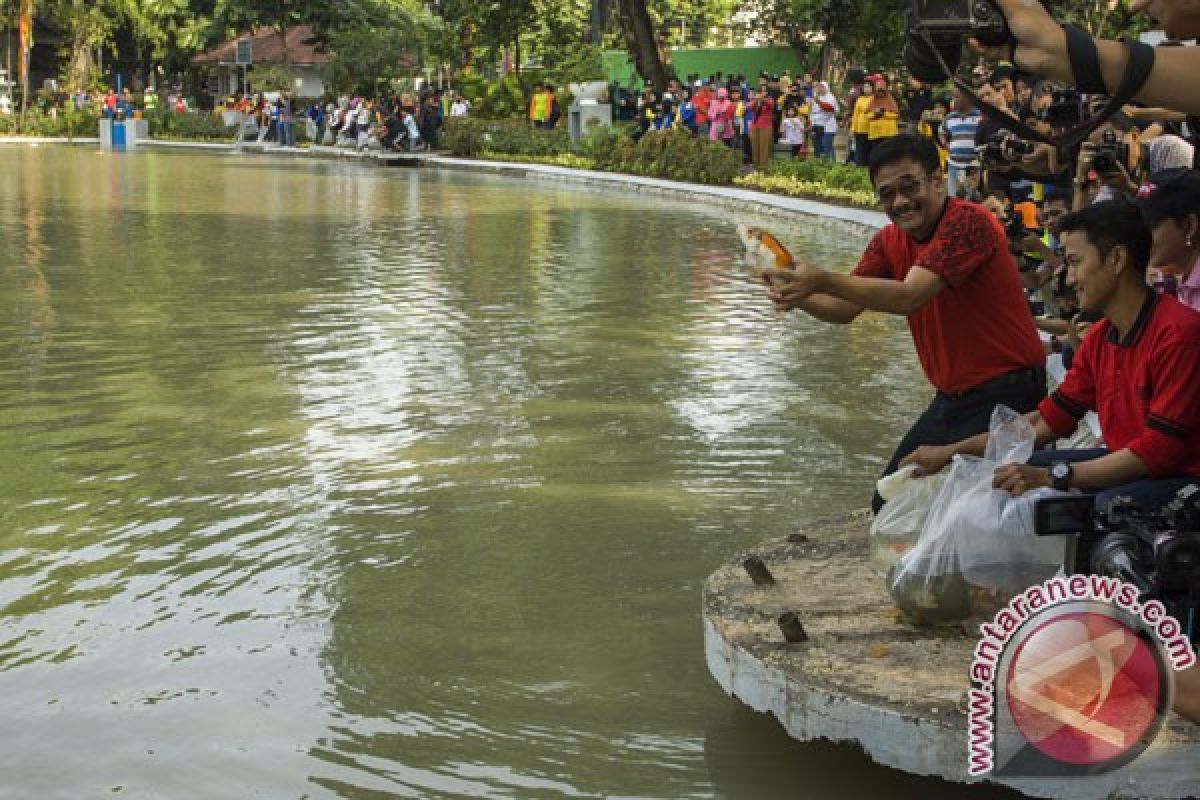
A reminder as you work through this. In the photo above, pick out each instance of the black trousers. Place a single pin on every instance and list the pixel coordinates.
(952, 418)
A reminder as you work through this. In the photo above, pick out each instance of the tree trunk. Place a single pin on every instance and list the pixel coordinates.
(643, 46)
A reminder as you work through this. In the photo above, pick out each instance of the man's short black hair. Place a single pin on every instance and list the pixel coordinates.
(920, 149)
(1171, 194)
(1112, 223)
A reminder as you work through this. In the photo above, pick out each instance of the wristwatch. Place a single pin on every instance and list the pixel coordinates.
(1060, 475)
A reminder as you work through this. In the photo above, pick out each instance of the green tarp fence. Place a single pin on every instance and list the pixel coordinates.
(748, 61)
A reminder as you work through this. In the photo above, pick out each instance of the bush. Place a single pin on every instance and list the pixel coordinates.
(677, 155)
(463, 136)
(825, 173)
(36, 123)
(502, 99)
(192, 125)
(470, 137)
(520, 138)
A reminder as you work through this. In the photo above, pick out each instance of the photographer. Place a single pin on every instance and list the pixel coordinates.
(1139, 369)
(1041, 48)
(944, 264)
(1114, 152)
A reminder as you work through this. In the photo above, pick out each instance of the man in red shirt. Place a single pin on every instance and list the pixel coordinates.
(945, 265)
(1138, 369)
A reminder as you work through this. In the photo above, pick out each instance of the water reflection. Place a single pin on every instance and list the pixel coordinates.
(342, 481)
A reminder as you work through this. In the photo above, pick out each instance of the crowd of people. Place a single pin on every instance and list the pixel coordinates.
(396, 121)
(797, 115)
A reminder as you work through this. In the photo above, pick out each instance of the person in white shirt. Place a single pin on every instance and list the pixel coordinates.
(824, 116)
(793, 131)
(460, 107)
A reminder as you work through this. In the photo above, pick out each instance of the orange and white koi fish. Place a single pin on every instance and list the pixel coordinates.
(764, 251)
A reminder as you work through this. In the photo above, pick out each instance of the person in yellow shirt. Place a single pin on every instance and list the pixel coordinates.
(859, 124)
(539, 106)
(928, 126)
(883, 115)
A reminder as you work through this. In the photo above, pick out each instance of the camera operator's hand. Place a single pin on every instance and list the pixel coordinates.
(1017, 479)
(930, 459)
(1040, 42)
(1042, 161)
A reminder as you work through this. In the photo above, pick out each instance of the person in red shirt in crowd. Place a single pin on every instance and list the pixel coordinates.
(762, 128)
(944, 264)
(702, 100)
(1138, 369)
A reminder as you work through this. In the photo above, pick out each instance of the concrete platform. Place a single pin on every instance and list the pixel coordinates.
(897, 691)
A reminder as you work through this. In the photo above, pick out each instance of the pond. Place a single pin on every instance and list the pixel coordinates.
(325, 480)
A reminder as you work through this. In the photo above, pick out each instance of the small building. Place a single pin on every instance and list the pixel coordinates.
(292, 48)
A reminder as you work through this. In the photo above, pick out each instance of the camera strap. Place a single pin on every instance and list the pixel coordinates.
(1137, 71)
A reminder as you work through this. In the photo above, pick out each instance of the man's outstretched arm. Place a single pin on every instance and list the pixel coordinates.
(799, 288)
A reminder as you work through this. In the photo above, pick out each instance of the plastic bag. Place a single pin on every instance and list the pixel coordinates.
(977, 542)
(898, 524)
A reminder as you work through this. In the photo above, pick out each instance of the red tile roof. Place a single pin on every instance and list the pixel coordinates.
(268, 48)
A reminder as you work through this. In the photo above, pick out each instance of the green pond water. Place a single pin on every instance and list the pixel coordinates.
(322, 480)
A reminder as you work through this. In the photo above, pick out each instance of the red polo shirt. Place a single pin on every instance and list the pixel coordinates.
(1145, 388)
(979, 326)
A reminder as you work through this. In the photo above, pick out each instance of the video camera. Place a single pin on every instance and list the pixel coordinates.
(1065, 109)
(948, 24)
(1110, 153)
(1157, 552)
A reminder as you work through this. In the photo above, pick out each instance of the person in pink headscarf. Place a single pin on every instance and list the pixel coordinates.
(720, 118)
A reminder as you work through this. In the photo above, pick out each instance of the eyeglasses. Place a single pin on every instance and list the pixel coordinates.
(909, 188)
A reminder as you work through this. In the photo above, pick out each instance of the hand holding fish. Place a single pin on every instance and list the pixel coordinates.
(788, 288)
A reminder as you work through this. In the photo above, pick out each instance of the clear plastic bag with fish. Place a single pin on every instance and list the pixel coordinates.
(977, 542)
(897, 527)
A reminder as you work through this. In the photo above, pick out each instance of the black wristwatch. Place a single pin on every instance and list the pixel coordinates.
(1060, 475)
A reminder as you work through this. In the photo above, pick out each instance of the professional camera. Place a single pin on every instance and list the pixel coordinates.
(1004, 147)
(1157, 552)
(948, 23)
(1065, 110)
(1110, 153)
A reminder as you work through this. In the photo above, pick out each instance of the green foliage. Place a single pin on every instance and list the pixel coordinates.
(678, 155)
(814, 178)
(674, 155)
(37, 123)
(191, 126)
(370, 55)
(273, 78)
(826, 173)
(463, 136)
(471, 137)
(502, 99)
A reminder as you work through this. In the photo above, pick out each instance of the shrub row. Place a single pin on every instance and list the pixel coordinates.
(36, 123)
(673, 155)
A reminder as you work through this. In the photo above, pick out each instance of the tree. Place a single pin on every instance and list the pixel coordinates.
(644, 47)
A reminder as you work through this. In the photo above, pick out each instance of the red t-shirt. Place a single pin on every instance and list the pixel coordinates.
(702, 101)
(979, 326)
(1145, 388)
(764, 114)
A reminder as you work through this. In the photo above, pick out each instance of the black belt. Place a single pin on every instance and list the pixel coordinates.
(1029, 375)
